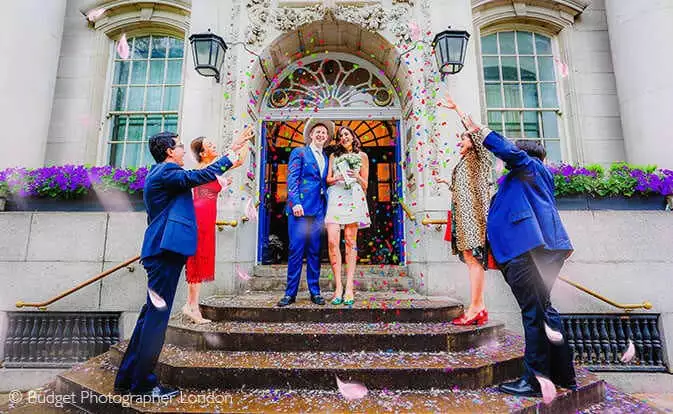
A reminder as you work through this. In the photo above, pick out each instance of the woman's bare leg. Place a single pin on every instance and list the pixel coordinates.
(476, 272)
(333, 240)
(350, 235)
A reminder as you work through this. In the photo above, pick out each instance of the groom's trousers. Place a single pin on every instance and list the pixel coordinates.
(304, 235)
(137, 366)
(531, 277)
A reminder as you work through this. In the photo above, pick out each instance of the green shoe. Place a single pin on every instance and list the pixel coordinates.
(349, 302)
(337, 301)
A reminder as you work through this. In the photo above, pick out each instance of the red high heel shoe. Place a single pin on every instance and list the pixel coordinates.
(478, 319)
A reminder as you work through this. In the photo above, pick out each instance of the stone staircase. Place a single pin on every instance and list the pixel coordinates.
(257, 358)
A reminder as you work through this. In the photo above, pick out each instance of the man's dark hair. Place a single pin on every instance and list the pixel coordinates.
(532, 148)
(160, 143)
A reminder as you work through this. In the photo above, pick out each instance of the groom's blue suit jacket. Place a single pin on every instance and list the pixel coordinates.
(523, 214)
(305, 184)
(171, 223)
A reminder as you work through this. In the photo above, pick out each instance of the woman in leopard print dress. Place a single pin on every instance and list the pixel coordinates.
(471, 190)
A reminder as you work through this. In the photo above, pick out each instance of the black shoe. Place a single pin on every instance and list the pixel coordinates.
(521, 387)
(317, 299)
(161, 392)
(286, 300)
(569, 385)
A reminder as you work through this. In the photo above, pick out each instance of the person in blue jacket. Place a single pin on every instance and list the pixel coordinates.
(169, 239)
(530, 245)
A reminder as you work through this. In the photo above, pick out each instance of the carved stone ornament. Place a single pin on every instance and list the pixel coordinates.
(285, 19)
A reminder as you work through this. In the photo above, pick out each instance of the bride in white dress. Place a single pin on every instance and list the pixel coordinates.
(347, 179)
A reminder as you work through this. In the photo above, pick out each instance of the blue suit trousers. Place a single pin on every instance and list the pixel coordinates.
(135, 371)
(304, 235)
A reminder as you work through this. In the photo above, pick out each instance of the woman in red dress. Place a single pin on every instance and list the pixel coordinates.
(201, 267)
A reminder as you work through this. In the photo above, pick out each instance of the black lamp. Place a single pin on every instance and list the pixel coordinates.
(449, 47)
(208, 50)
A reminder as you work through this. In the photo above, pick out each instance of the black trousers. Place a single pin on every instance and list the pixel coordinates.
(531, 277)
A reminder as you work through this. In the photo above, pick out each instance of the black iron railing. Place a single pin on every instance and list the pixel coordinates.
(58, 339)
(599, 341)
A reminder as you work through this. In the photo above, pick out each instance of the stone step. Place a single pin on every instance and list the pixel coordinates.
(475, 368)
(316, 336)
(373, 307)
(367, 278)
(95, 378)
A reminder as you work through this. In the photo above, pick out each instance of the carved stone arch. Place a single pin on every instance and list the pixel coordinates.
(551, 16)
(166, 17)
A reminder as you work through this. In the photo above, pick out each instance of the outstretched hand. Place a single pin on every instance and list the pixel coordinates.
(471, 126)
(247, 135)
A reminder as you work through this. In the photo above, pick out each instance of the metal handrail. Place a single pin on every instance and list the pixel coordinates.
(407, 210)
(43, 305)
(626, 307)
(220, 224)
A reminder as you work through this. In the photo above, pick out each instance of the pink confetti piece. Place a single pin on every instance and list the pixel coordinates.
(414, 31)
(94, 14)
(156, 300)
(548, 389)
(555, 337)
(225, 182)
(562, 67)
(629, 353)
(250, 210)
(351, 390)
(242, 273)
(123, 47)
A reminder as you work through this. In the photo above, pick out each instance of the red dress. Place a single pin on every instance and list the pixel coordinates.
(201, 266)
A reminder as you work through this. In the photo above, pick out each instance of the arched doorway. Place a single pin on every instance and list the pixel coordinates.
(350, 91)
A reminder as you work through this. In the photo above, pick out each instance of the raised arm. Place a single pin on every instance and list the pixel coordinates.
(177, 179)
(500, 146)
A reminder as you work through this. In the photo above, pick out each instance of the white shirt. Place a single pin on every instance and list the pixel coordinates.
(317, 153)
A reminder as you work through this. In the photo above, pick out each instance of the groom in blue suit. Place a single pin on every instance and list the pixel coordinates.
(306, 207)
(530, 244)
(169, 239)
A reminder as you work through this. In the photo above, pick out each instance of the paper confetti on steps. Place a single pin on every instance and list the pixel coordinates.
(629, 353)
(351, 390)
(242, 273)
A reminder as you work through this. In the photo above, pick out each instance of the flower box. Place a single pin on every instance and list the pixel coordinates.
(104, 200)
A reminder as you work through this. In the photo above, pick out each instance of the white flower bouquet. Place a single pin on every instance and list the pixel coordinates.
(348, 162)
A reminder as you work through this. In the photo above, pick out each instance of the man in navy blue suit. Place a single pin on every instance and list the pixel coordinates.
(530, 244)
(169, 239)
(306, 207)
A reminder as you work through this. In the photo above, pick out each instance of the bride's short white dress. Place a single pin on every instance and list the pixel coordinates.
(346, 205)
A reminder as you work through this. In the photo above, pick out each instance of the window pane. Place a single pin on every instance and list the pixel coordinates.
(512, 124)
(171, 123)
(174, 75)
(527, 68)
(132, 157)
(507, 43)
(140, 47)
(176, 48)
(153, 99)
(495, 121)
(491, 71)
(530, 97)
(512, 95)
(171, 98)
(118, 128)
(146, 158)
(116, 154)
(159, 45)
(493, 96)
(553, 149)
(136, 124)
(157, 71)
(546, 65)
(548, 92)
(550, 124)
(383, 172)
(384, 193)
(531, 124)
(118, 99)
(136, 97)
(139, 72)
(524, 41)
(121, 75)
(509, 69)
(542, 44)
(489, 45)
(153, 125)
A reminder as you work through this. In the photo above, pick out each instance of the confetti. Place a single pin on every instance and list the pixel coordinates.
(123, 47)
(156, 300)
(351, 390)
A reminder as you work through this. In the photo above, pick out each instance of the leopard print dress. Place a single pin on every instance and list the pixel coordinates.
(471, 189)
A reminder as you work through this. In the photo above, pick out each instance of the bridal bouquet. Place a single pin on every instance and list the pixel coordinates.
(348, 162)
